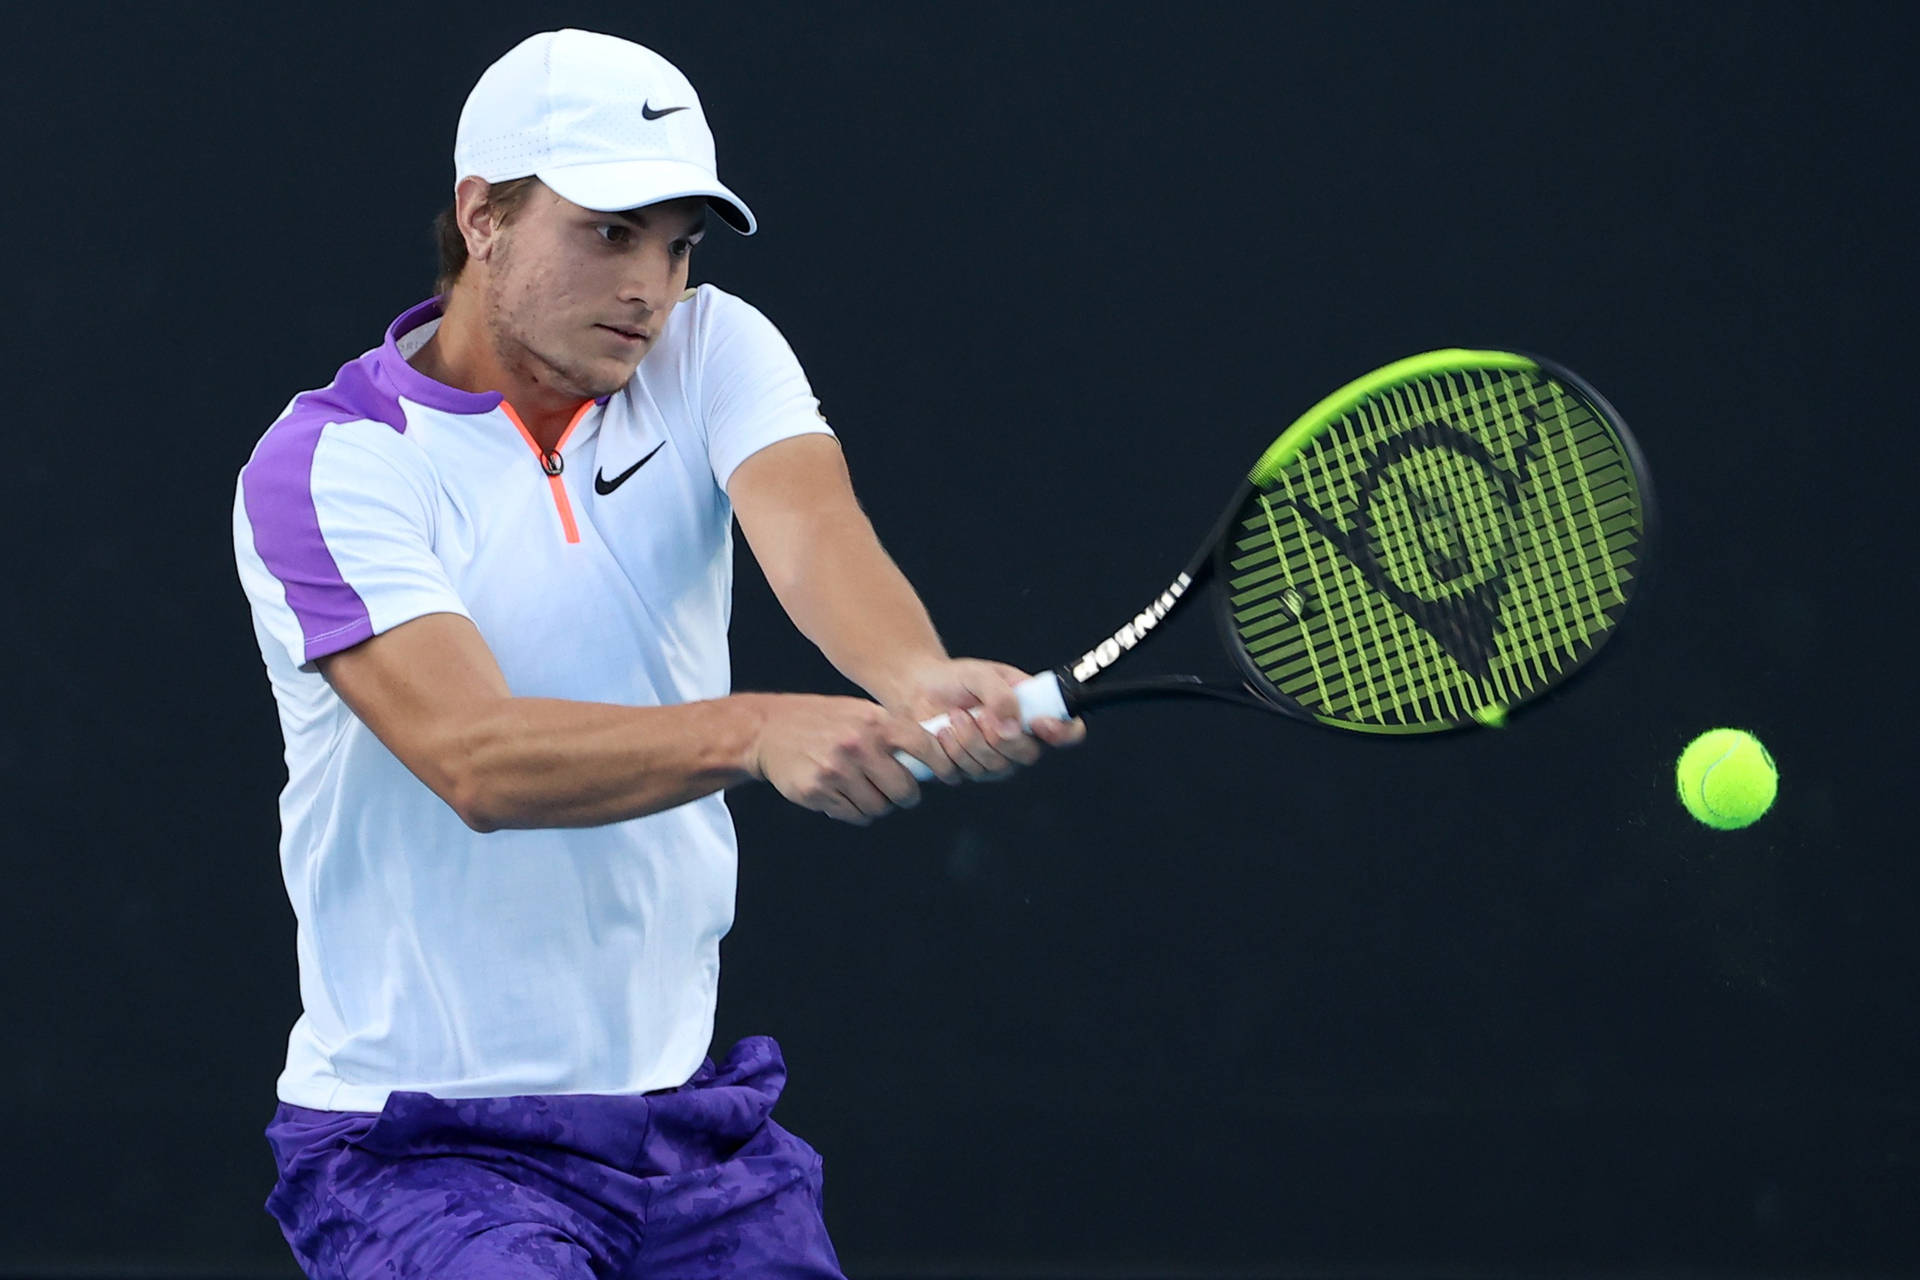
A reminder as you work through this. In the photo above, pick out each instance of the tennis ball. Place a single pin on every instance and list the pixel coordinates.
(1727, 779)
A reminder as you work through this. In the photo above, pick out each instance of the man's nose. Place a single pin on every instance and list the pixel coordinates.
(649, 281)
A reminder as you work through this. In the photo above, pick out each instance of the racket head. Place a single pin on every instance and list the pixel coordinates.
(1434, 544)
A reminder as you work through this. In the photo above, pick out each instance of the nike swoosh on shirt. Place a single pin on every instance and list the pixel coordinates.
(648, 113)
(604, 486)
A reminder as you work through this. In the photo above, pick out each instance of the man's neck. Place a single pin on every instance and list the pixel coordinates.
(459, 356)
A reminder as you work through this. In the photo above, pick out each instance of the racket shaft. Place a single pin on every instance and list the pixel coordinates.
(1040, 699)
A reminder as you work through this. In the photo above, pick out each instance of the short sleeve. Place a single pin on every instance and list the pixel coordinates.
(334, 537)
(753, 392)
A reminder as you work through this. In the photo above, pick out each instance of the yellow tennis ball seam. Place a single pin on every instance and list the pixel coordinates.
(1706, 780)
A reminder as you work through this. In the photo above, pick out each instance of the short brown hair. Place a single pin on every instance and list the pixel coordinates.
(505, 198)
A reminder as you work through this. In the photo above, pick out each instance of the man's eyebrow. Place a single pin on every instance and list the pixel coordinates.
(697, 227)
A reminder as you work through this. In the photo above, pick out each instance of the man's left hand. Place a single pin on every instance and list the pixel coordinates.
(983, 736)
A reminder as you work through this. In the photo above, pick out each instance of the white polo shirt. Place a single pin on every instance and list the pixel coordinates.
(433, 958)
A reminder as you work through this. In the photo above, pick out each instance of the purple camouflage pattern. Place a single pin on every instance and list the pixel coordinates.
(691, 1183)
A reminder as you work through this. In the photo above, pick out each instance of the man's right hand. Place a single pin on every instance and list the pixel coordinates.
(835, 756)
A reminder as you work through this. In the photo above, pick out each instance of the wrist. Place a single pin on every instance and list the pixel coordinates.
(905, 687)
(752, 711)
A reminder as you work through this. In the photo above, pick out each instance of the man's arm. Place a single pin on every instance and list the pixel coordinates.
(431, 690)
(820, 554)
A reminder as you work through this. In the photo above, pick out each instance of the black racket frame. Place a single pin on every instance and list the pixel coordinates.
(1207, 568)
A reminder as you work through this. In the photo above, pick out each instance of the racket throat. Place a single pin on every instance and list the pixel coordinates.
(1079, 697)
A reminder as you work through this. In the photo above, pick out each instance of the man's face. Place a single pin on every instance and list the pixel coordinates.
(574, 298)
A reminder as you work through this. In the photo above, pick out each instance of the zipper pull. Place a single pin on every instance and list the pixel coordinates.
(552, 463)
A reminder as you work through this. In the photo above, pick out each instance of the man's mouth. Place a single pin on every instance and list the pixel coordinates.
(631, 335)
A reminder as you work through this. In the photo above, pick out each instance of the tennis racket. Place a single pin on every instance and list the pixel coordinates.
(1429, 547)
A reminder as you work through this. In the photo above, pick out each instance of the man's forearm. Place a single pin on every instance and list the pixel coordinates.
(545, 762)
(431, 691)
(850, 599)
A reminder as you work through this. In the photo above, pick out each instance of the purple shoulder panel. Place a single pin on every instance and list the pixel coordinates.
(277, 487)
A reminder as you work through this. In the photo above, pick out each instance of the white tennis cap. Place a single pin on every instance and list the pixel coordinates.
(604, 122)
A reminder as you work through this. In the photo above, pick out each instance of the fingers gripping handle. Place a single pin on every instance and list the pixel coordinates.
(1040, 698)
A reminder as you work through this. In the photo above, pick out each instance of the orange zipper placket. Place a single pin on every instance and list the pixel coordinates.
(553, 464)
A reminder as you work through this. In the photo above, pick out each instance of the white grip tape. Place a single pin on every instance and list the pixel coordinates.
(1040, 698)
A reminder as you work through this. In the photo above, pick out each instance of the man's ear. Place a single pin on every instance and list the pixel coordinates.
(475, 216)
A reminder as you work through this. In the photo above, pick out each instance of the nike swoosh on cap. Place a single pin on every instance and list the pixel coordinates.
(604, 486)
(648, 113)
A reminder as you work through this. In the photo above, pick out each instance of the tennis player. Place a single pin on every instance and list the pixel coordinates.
(490, 567)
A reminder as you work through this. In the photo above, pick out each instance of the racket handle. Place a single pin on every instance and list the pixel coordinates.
(1040, 698)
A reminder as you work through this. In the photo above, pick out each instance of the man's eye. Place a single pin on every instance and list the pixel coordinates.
(619, 235)
(682, 248)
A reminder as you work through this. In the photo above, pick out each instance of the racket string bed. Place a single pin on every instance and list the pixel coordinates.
(1462, 539)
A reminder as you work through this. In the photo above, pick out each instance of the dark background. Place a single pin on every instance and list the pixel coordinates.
(1213, 994)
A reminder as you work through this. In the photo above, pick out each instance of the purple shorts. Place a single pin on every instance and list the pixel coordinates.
(691, 1182)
